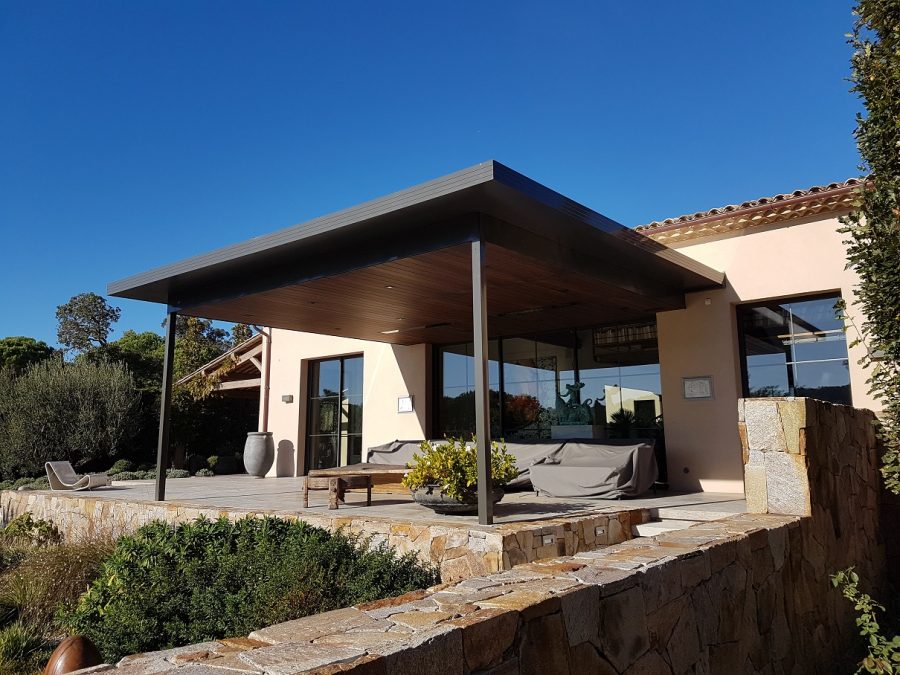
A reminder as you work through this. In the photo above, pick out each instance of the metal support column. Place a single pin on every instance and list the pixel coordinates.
(482, 393)
(165, 408)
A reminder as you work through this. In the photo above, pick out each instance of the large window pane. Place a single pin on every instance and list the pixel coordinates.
(619, 367)
(457, 403)
(795, 348)
(594, 383)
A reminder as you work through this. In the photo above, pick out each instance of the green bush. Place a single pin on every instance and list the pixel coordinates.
(29, 531)
(453, 465)
(205, 473)
(63, 411)
(23, 649)
(120, 466)
(128, 475)
(177, 473)
(33, 483)
(167, 586)
(211, 462)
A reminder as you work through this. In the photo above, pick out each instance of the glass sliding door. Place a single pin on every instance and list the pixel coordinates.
(334, 412)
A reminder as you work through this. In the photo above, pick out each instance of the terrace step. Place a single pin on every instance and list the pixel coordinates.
(654, 527)
(693, 514)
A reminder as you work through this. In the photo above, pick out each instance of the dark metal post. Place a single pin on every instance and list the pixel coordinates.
(482, 393)
(165, 407)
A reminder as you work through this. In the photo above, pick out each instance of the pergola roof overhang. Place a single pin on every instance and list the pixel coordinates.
(398, 269)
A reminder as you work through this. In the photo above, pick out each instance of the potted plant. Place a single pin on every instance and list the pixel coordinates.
(444, 477)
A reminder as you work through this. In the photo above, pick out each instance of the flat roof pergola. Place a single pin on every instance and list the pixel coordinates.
(480, 253)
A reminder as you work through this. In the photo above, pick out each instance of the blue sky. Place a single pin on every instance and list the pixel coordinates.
(136, 133)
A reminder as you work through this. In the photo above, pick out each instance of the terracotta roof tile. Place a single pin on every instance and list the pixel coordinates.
(732, 209)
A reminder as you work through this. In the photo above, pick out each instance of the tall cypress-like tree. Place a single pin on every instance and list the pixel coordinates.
(874, 230)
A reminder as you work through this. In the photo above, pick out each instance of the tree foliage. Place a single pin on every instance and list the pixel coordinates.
(17, 353)
(64, 411)
(85, 321)
(883, 657)
(240, 332)
(874, 230)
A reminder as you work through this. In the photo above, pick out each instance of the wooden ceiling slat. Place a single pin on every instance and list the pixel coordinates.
(435, 288)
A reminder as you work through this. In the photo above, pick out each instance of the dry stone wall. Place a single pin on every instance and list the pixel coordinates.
(460, 550)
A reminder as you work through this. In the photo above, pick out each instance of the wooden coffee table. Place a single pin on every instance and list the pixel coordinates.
(356, 476)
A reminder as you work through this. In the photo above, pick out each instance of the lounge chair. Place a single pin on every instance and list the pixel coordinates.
(63, 477)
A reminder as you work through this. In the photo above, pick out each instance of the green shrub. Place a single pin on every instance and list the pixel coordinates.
(454, 466)
(211, 462)
(63, 411)
(167, 585)
(41, 483)
(23, 649)
(177, 473)
(883, 657)
(30, 531)
(120, 466)
(205, 473)
(127, 475)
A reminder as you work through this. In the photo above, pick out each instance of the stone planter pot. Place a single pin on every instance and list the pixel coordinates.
(259, 453)
(434, 498)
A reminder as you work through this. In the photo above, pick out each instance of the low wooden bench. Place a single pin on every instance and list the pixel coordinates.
(354, 477)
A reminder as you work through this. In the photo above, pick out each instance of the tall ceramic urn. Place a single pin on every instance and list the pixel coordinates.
(259, 453)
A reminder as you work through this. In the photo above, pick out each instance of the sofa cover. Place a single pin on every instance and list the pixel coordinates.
(597, 469)
(606, 456)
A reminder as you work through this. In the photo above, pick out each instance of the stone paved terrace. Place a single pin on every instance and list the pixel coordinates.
(528, 527)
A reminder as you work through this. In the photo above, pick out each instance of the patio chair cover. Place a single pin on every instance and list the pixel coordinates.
(591, 469)
(63, 477)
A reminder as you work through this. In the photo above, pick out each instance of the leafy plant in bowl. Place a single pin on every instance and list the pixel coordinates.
(444, 477)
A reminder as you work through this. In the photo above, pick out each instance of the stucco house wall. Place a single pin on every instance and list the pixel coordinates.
(793, 258)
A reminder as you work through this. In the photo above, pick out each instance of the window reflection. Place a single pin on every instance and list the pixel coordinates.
(795, 348)
(594, 383)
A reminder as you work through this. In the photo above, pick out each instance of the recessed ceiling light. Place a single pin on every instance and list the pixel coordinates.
(390, 332)
(389, 287)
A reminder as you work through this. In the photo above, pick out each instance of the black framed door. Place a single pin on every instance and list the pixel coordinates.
(334, 412)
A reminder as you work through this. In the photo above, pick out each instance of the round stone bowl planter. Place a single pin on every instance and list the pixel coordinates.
(434, 498)
(259, 453)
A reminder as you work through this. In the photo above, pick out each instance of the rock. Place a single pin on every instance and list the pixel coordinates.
(73, 654)
(623, 628)
(543, 648)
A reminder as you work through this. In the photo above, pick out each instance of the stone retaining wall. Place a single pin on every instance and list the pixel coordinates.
(460, 550)
(747, 594)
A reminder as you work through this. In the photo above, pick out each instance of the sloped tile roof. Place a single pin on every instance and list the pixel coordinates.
(787, 206)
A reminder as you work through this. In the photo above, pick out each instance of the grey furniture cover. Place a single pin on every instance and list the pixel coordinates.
(592, 469)
(605, 456)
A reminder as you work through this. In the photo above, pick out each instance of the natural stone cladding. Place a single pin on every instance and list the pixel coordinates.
(745, 594)
(460, 550)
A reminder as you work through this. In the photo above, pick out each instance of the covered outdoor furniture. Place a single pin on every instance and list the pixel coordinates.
(592, 469)
(400, 453)
(608, 468)
(63, 477)
(339, 479)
